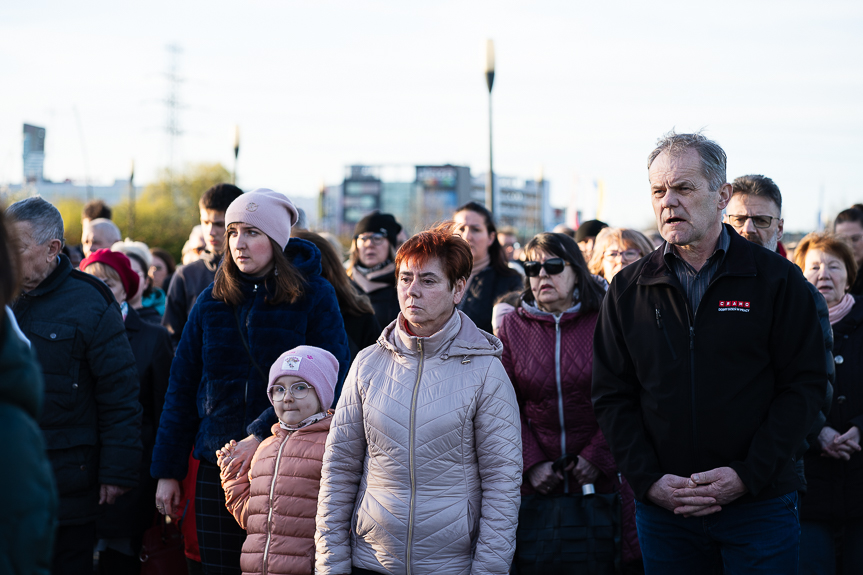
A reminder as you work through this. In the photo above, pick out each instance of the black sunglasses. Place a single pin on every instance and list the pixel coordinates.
(552, 267)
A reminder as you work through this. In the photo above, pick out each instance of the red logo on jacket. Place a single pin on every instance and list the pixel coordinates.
(734, 305)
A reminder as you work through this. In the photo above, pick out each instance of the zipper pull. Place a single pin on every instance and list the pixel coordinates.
(691, 337)
(658, 319)
(256, 288)
(420, 345)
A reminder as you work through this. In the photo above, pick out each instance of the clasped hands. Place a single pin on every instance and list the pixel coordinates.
(839, 446)
(698, 495)
(543, 478)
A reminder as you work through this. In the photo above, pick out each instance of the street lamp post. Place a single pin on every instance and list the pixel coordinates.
(539, 223)
(489, 80)
(132, 201)
(236, 152)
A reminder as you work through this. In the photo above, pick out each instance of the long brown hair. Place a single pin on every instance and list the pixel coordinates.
(9, 270)
(285, 285)
(351, 302)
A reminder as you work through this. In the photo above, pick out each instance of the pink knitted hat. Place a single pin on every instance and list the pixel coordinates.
(271, 212)
(316, 366)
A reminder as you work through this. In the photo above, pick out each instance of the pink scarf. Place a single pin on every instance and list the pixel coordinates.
(841, 309)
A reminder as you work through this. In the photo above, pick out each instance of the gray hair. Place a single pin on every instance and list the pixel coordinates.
(713, 158)
(757, 185)
(45, 219)
(107, 224)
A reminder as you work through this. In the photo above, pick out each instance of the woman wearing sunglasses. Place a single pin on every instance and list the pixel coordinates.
(616, 248)
(548, 355)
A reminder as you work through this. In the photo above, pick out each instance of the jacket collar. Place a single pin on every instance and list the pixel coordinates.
(534, 312)
(738, 261)
(54, 279)
(133, 320)
(850, 322)
(458, 336)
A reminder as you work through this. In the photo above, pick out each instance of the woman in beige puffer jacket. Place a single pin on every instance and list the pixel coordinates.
(423, 465)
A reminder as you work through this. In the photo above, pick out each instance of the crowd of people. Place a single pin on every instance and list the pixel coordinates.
(390, 411)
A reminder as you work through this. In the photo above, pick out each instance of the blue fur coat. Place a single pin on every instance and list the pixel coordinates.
(216, 392)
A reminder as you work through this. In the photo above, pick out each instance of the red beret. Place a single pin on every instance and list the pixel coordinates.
(120, 264)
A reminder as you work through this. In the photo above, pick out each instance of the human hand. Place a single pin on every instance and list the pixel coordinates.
(839, 446)
(240, 456)
(585, 472)
(109, 493)
(543, 478)
(722, 484)
(167, 496)
(225, 455)
(663, 493)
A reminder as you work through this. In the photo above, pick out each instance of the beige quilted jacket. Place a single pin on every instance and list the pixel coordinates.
(422, 466)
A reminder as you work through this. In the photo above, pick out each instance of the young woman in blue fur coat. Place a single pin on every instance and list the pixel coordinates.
(268, 296)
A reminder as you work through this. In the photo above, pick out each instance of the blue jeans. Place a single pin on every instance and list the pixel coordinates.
(819, 552)
(760, 537)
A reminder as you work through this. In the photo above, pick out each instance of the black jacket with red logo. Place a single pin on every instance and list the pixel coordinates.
(737, 383)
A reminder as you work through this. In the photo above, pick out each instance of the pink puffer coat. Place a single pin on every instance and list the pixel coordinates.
(277, 501)
(550, 362)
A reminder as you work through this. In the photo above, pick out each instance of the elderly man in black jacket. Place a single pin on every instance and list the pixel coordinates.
(91, 418)
(708, 373)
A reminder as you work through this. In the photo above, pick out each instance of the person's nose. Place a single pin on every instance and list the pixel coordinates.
(542, 272)
(414, 290)
(749, 227)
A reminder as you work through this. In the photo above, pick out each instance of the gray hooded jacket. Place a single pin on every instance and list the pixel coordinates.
(423, 465)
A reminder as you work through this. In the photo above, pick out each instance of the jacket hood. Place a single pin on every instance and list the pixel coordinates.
(533, 312)
(211, 260)
(459, 336)
(305, 256)
(21, 384)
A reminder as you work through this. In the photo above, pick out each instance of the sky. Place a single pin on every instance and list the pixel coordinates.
(582, 91)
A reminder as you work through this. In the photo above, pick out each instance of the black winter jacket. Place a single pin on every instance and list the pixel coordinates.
(836, 487)
(738, 383)
(30, 506)
(132, 513)
(385, 301)
(91, 418)
(187, 283)
(484, 289)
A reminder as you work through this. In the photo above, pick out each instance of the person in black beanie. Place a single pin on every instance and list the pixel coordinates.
(586, 234)
(371, 266)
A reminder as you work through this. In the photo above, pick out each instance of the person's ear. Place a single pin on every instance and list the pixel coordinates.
(460, 288)
(725, 192)
(54, 249)
(779, 229)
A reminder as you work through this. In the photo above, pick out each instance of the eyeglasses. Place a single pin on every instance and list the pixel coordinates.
(627, 255)
(552, 267)
(757, 221)
(298, 390)
(375, 238)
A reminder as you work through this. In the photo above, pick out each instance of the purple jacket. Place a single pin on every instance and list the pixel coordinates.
(550, 361)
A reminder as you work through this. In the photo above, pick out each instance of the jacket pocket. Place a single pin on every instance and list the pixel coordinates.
(359, 528)
(76, 468)
(54, 344)
(472, 524)
(661, 325)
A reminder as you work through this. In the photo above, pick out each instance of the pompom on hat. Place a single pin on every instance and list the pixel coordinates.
(271, 212)
(118, 262)
(316, 366)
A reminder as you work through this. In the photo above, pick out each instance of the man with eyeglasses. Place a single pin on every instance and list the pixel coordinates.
(708, 373)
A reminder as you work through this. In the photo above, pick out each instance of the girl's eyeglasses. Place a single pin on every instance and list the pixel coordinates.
(298, 390)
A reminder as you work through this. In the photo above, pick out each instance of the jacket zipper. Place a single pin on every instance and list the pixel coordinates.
(412, 467)
(246, 392)
(560, 397)
(661, 327)
(270, 506)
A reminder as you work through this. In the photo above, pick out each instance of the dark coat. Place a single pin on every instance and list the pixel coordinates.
(216, 391)
(92, 418)
(363, 331)
(385, 300)
(132, 513)
(483, 291)
(187, 283)
(530, 350)
(30, 505)
(738, 383)
(835, 486)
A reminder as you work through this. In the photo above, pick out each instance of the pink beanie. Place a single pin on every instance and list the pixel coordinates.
(271, 212)
(314, 365)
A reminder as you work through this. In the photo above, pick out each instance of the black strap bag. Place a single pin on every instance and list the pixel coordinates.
(568, 533)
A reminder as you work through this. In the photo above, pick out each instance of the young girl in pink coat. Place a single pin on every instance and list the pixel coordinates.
(277, 500)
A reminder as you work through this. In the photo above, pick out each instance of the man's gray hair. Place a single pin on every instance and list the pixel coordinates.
(713, 159)
(45, 219)
(107, 224)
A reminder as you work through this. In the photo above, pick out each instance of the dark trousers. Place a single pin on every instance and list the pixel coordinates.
(220, 537)
(73, 549)
(746, 538)
(831, 547)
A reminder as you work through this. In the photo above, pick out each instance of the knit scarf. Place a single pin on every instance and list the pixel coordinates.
(841, 309)
(366, 280)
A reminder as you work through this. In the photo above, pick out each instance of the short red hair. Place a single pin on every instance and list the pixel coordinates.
(439, 242)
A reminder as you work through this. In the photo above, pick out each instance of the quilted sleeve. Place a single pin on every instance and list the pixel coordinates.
(238, 489)
(340, 479)
(498, 445)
